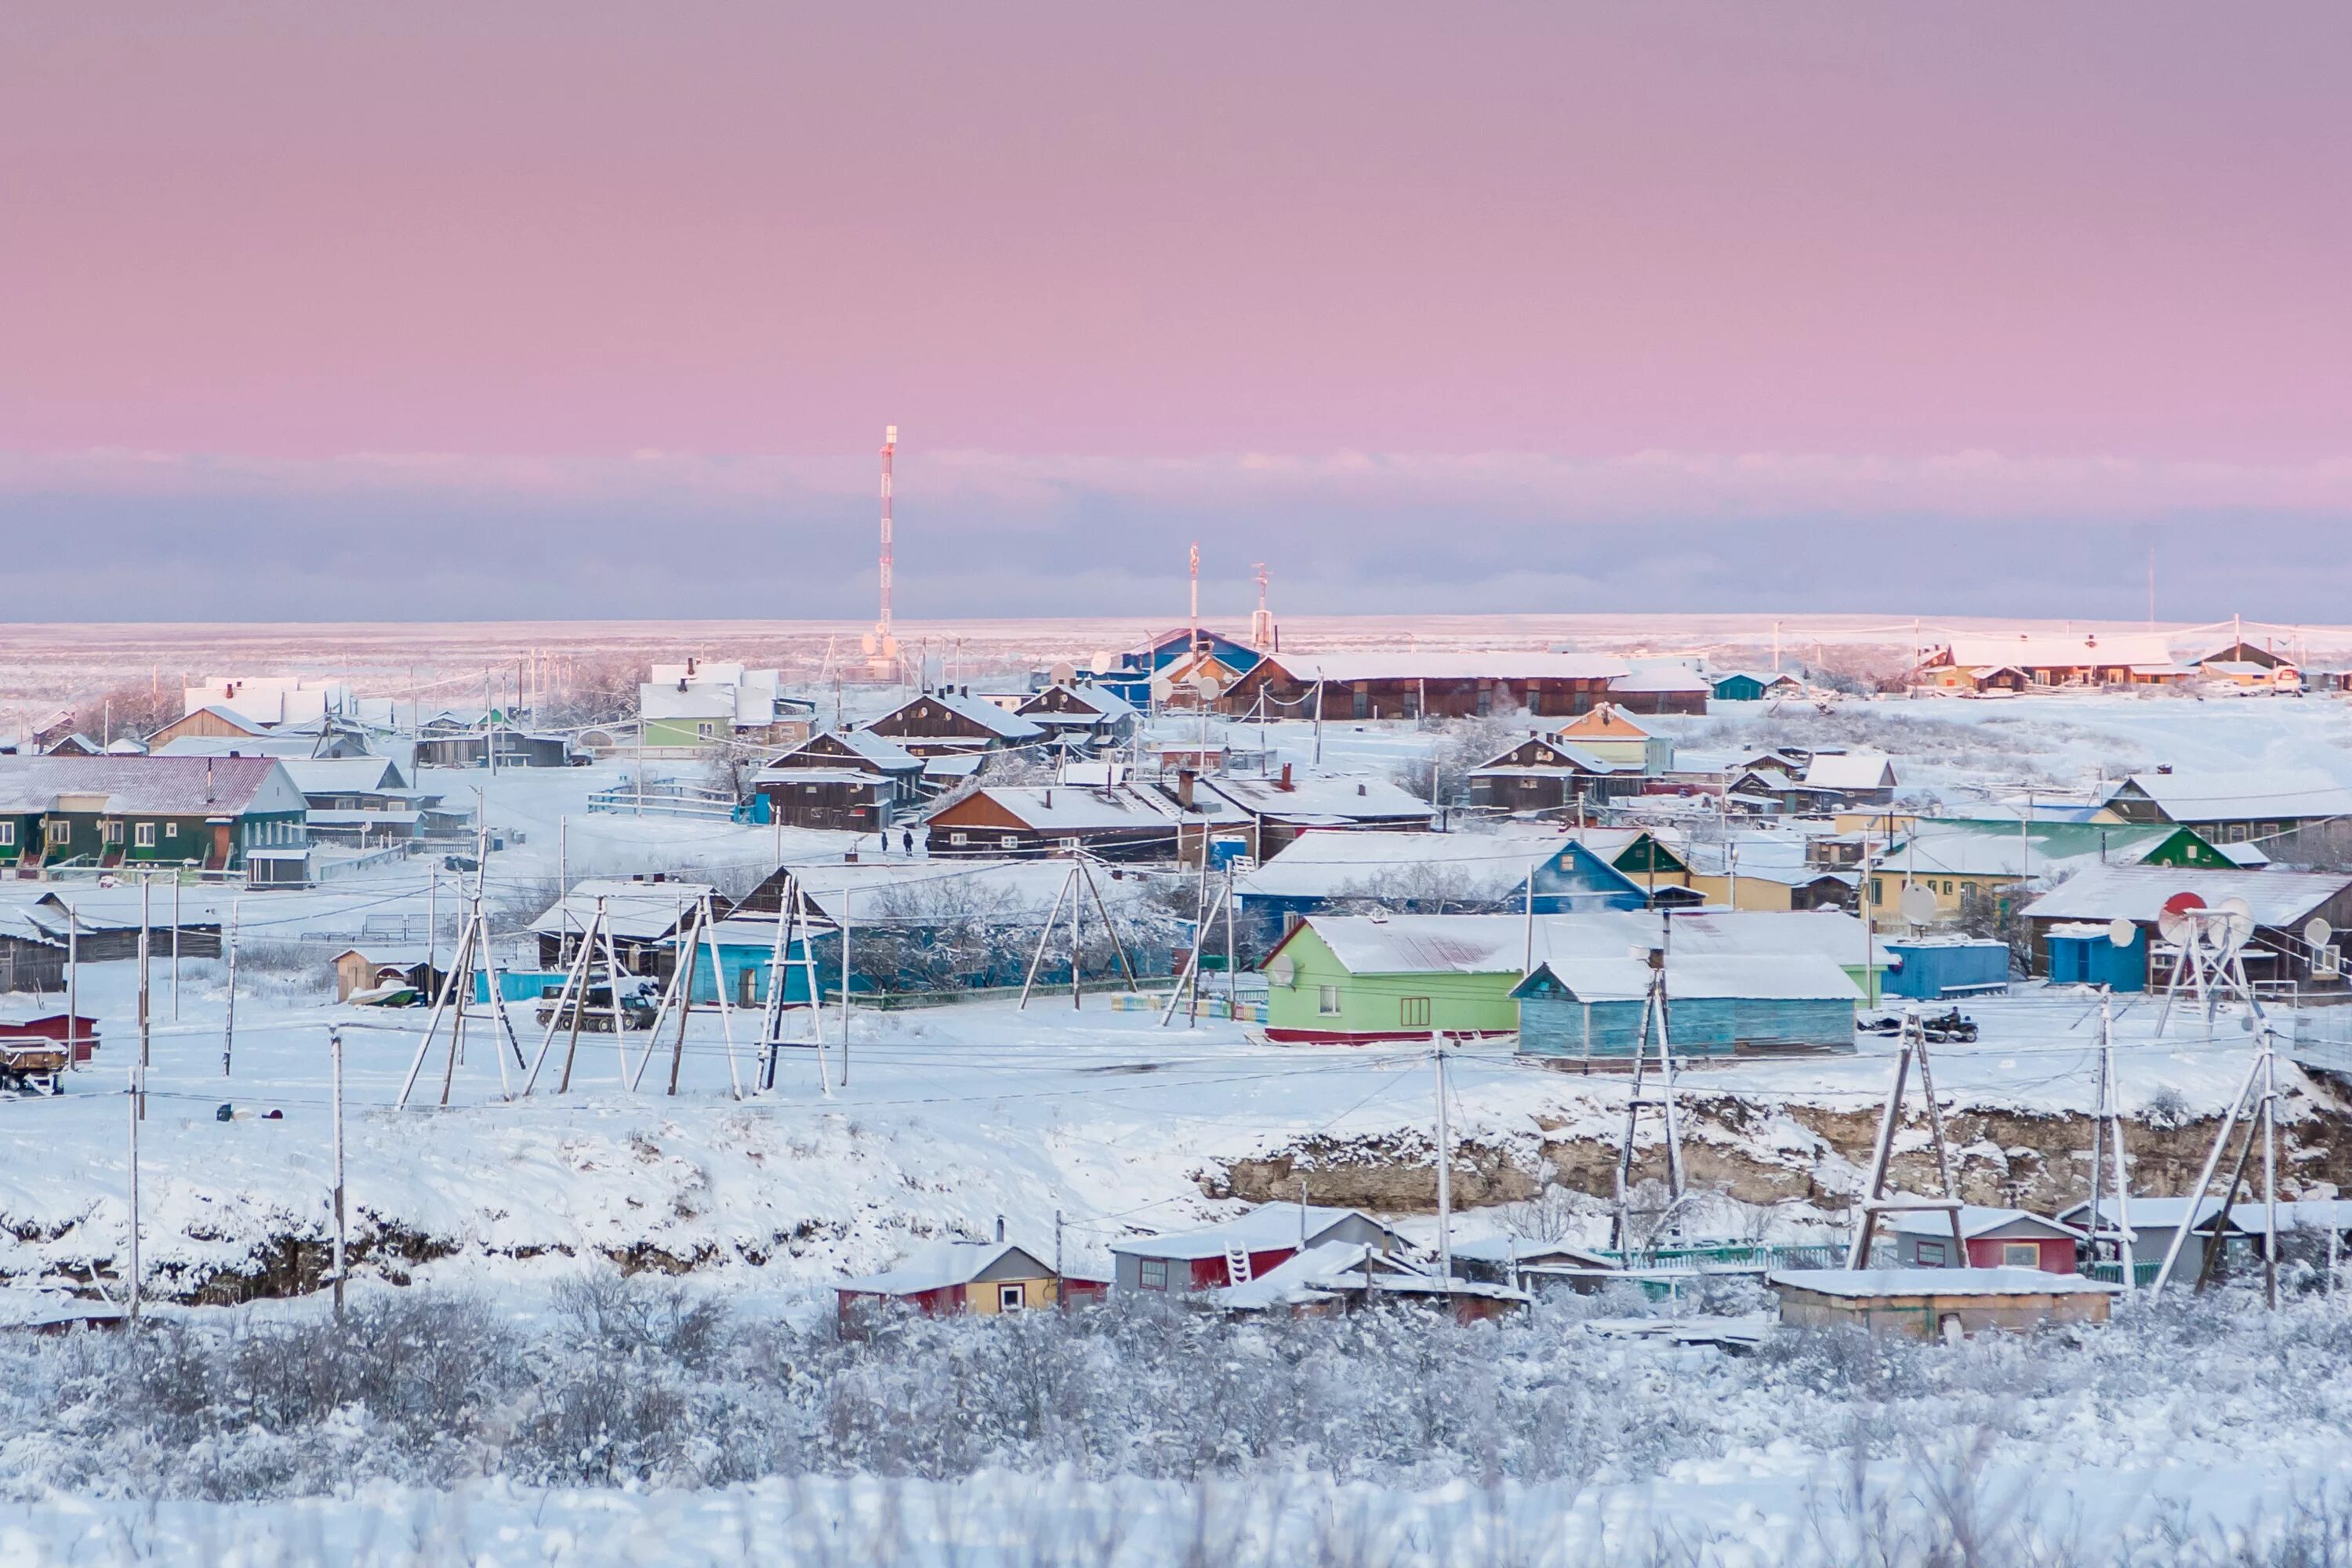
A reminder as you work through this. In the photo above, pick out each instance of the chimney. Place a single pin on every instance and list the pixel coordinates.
(1361, 790)
(1185, 788)
(1049, 797)
(1285, 783)
(208, 781)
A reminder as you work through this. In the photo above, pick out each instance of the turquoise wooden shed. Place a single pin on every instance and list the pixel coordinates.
(1591, 1008)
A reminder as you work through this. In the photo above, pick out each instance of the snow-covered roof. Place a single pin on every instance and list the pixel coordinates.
(1321, 865)
(2082, 650)
(636, 911)
(1663, 677)
(2249, 795)
(1447, 664)
(2279, 898)
(1108, 706)
(1496, 944)
(243, 721)
(940, 1265)
(879, 750)
(1864, 1282)
(1053, 808)
(152, 785)
(1850, 770)
(1000, 721)
(1785, 977)
(1522, 1250)
(329, 775)
(1569, 755)
(950, 767)
(282, 743)
(887, 890)
(1339, 797)
(1979, 1220)
(715, 703)
(1266, 1228)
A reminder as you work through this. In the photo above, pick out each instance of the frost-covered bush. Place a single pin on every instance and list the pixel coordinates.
(648, 1382)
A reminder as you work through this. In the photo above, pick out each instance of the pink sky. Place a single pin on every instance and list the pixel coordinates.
(306, 228)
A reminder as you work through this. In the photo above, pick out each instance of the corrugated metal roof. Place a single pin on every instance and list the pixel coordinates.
(1496, 944)
(2249, 795)
(1447, 664)
(157, 785)
(1788, 977)
(2279, 898)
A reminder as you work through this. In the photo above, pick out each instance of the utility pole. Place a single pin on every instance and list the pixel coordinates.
(844, 983)
(228, 1029)
(489, 726)
(73, 985)
(886, 644)
(1445, 1169)
(335, 1050)
(175, 947)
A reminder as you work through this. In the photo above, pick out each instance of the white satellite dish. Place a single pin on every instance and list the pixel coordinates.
(2122, 932)
(1063, 673)
(2177, 921)
(2237, 925)
(2317, 931)
(1205, 687)
(1101, 658)
(1918, 905)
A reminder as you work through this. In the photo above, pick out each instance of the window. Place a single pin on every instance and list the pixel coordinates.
(1877, 890)
(706, 730)
(1011, 1299)
(2021, 1254)
(171, 830)
(1413, 1012)
(1070, 843)
(1327, 1001)
(144, 835)
(113, 831)
(959, 838)
(1535, 702)
(1948, 885)
(1931, 1254)
(61, 830)
(1151, 1273)
(1010, 841)
(7, 834)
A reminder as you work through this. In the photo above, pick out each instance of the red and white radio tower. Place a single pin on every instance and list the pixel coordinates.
(884, 644)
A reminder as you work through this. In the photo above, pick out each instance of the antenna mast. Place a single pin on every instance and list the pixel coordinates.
(1192, 626)
(1262, 633)
(885, 646)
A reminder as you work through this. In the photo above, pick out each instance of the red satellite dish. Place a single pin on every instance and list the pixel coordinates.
(2173, 922)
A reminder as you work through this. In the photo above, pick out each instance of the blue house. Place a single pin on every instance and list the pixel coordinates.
(1430, 874)
(1591, 1008)
(1129, 674)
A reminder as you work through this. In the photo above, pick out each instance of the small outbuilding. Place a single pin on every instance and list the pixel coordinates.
(1933, 969)
(1939, 1303)
(950, 1278)
(1592, 1008)
(1995, 1237)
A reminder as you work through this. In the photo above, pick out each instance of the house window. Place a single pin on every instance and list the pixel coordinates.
(1010, 841)
(1877, 890)
(1151, 1273)
(1413, 1012)
(1327, 1001)
(113, 831)
(61, 830)
(7, 834)
(1069, 843)
(1931, 1254)
(2021, 1254)
(1011, 1299)
(144, 835)
(1948, 885)
(959, 838)
(706, 730)
(171, 830)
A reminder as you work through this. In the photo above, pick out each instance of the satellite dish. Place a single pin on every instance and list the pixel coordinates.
(2317, 931)
(1205, 686)
(2237, 925)
(1282, 971)
(2174, 922)
(871, 646)
(1918, 905)
(1101, 658)
(1063, 673)
(2122, 931)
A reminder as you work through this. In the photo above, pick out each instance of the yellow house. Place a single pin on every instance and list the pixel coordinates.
(950, 1279)
(1609, 732)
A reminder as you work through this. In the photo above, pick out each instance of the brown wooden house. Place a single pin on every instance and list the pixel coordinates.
(952, 721)
(853, 780)
(1409, 685)
(1118, 822)
(1540, 774)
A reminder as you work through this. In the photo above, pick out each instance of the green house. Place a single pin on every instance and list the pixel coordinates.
(213, 813)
